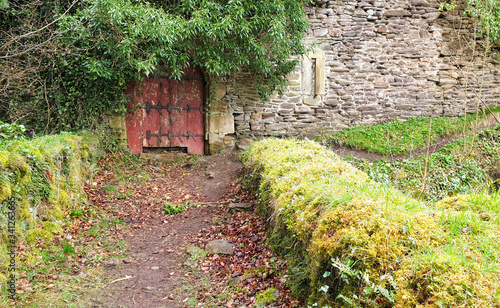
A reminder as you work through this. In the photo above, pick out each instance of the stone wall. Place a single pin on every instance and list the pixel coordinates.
(373, 61)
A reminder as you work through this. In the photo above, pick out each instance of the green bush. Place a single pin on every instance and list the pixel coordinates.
(446, 175)
(365, 244)
(463, 166)
(482, 147)
(173, 209)
(10, 133)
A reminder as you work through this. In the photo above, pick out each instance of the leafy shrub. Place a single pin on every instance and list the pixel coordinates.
(81, 55)
(369, 245)
(10, 133)
(488, 13)
(483, 147)
(173, 209)
(446, 175)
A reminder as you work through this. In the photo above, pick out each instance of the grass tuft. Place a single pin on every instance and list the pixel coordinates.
(401, 137)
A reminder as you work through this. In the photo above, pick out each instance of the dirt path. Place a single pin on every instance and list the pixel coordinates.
(155, 274)
(165, 265)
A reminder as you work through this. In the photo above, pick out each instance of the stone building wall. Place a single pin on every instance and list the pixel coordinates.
(373, 61)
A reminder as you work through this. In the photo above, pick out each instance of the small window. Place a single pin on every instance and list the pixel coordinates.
(313, 77)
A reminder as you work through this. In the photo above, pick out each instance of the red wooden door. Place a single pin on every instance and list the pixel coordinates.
(168, 114)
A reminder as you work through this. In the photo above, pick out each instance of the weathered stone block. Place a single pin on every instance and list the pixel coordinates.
(257, 126)
(316, 101)
(419, 3)
(320, 32)
(276, 126)
(215, 143)
(256, 117)
(432, 16)
(244, 143)
(214, 138)
(380, 84)
(219, 106)
(396, 13)
(332, 102)
(117, 121)
(294, 76)
(382, 29)
(221, 123)
(240, 207)
(219, 247)
(287, 106)
(228, 141)
(217, 90)
(443, 81)
(334, 32)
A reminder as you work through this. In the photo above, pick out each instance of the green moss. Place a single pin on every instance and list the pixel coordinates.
(58, 213)
(19, 166)
(5, 190)
(44, 174)
(91, 143)
(52, 227)
(24, 213)
(266, 297)
(84, 154)
(59, 198)
(365, 242)
(36, 234)
(4, 158)
(41, 176)
(30, 257)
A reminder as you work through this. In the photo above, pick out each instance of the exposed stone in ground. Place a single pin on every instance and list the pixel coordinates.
(219, 247)
(240, 207)
(113, 262)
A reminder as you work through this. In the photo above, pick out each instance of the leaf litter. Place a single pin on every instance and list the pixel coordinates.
(160, 268)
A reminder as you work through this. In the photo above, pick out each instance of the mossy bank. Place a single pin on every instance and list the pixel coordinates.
(353, 242)
(39, 180)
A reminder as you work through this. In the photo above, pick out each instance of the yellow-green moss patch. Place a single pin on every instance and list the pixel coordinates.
(267, 297)
(40, 177)
(39, 234)
(351, 240)
(5, 190)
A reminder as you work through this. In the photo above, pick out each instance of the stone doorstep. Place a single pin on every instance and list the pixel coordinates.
(163, 157)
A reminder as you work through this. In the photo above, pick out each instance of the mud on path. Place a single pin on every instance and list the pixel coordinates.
(165, 265)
